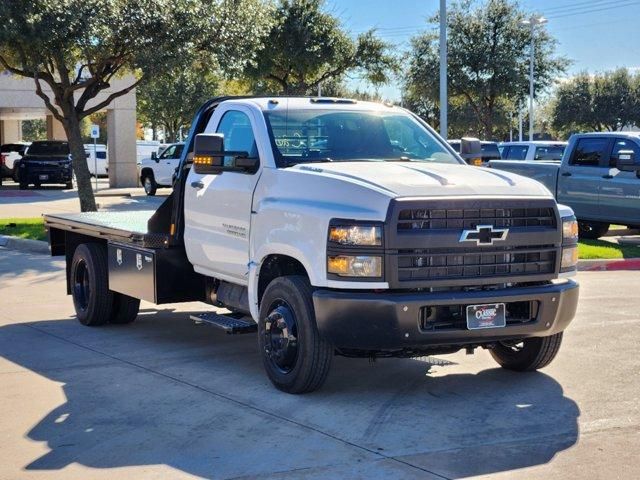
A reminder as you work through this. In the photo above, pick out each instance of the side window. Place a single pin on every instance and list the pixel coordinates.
(589, 152)
(623, 144)
(238, 134)
(517, 152)
(168, 153)
(178, 152)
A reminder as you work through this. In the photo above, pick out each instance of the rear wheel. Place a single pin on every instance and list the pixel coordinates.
(23, 186)
(89, 278)
(125, 308)
(149, 184)
(528, 354)
(297, 359)
(592, 230)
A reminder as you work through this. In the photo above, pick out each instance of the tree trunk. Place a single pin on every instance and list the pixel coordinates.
(79, 161)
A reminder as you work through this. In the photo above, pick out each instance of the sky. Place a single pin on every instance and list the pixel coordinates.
(597, 35)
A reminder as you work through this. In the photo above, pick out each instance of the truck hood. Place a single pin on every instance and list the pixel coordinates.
(413, 179)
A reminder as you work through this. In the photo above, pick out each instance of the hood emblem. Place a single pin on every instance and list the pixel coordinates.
(484, 235)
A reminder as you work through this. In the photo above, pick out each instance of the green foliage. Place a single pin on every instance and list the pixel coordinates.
(33, 130)
(488, 59)
(307, 47)
(77, 47)
(170, 100)
(606, 101)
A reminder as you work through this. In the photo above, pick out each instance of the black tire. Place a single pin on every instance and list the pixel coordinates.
(125, 309)
(303, 365)
(16, 172)
(23, 186)
(89, 279)
(592, 230)
(529, 355)
(149, 183)
(68, 185)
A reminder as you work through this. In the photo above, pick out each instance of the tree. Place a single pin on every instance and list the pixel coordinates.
(77, 47)
(605, 101)
(488, 61)
(170, 100)
(307, 47)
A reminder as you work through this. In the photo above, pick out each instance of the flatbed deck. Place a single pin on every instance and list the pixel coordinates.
(126, 227)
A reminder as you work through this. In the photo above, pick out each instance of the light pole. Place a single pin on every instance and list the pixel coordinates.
(443, 69)
(532, 22)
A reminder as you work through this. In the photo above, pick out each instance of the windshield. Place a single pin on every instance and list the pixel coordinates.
(49, 148)
(490, 151)
(301, 136)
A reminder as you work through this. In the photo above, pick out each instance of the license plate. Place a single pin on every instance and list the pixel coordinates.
(43, 177)
(486, 316)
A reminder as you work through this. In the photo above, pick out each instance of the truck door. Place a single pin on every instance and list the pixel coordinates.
(218, 207)
(580, 179)
(620, 191)
(167, 163)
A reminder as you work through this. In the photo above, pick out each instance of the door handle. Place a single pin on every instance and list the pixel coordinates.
(607, 176)
(566, 174)
(197, 185)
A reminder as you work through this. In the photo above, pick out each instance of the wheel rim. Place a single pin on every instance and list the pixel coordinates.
(147, 184)
(281, 337)
(81, 285)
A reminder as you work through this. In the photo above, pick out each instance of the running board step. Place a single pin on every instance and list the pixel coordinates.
(231, 323)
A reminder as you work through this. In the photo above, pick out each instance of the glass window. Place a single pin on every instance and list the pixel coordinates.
(178, 152)
(102, 155)
(490, 152)
(590, 151)
(549, 152)
(238, 135)
(623, 144)
(49, 148)
(515, 152)
(314, 135)
(168, 152)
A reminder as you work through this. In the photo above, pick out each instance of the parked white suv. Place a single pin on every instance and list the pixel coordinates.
(10, 153)
(159, 170)
(537, 150)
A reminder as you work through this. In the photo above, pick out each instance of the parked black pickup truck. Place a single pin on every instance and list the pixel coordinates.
(46, 162)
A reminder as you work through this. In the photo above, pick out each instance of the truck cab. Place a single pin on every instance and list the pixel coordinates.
(333, 226)
(159, 170)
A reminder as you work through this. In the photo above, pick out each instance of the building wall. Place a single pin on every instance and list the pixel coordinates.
(18, 101)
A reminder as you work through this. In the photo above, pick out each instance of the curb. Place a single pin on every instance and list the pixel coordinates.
(24, 244)
(609, 265)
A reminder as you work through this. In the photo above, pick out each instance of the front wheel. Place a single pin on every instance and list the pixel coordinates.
(297, 359)
(149, 184)
(528, 354)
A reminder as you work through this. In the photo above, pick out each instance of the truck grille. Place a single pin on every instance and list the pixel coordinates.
(416, 265)
(427, 245)
(433, 219)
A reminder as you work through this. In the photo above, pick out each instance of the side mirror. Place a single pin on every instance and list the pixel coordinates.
(209, 154)
(471, 150)
(154, 156)
(626, 161)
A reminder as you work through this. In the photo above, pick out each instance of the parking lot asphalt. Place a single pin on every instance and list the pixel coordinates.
(165, 398)
(54, 199)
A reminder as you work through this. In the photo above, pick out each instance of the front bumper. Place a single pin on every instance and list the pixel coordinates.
(45, 175)
(388, 321)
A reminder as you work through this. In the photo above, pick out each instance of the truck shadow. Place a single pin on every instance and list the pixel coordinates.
(165, 391)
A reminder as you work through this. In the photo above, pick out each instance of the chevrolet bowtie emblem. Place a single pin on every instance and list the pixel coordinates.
(484, 235)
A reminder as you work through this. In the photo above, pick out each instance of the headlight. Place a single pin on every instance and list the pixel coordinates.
(569, 230)
(569, 258)
(355, 265)
(367, 235)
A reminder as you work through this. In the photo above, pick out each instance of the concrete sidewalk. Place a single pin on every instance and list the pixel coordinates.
(164, 398)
